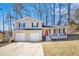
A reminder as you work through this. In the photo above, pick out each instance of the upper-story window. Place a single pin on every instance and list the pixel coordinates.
(21, 25)
(34, 25)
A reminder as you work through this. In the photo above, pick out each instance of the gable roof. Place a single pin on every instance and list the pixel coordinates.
(28, 18)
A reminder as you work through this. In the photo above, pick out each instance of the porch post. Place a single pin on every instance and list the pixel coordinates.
(58, 31)
(66, 32)
(62, 30)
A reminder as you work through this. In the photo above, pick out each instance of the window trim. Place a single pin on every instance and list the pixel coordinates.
(21, 25)
(34, 25)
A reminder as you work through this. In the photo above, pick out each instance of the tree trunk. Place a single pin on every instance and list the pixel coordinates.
(59, 14)
(54, 14)
(69, 5)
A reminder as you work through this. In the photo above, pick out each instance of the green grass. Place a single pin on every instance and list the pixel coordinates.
(62, 48)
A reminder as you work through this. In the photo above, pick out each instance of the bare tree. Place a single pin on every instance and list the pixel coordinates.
(27, 12)
(52, 12)
(18, 9)
(62, 12)
(43, 12)
(46, 11)
(69, 8)
(59, 23)
(36, 10)
(9, 21)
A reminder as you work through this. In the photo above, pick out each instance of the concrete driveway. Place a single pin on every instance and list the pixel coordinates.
(22, 49)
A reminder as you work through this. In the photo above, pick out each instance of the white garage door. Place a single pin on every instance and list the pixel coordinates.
(35, 36)
(20, 37)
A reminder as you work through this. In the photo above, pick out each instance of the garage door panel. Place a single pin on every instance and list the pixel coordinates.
(27, 37)
(20, 37)
(35, 36)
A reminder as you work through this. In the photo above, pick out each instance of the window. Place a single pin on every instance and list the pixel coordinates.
(21, 25)
(34, 25)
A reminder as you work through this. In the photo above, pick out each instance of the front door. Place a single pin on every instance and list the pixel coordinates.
(46, 32)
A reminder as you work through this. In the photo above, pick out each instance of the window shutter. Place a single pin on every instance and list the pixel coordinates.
(19, 25)
(23, 25)
(37, 24)
(32, 24)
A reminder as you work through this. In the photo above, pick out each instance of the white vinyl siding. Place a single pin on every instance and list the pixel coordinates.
(28, 24)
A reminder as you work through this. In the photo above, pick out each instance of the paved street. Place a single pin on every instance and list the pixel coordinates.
(22, 49)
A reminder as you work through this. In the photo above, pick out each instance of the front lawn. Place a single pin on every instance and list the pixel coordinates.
(61, 48)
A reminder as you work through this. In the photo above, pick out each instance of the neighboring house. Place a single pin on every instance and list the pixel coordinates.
(30, 29)
(1, 36)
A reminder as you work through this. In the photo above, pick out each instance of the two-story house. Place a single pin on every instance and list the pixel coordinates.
(28, 29)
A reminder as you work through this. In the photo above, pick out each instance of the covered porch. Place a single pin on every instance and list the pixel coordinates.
(58, 33)
(55, 32)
